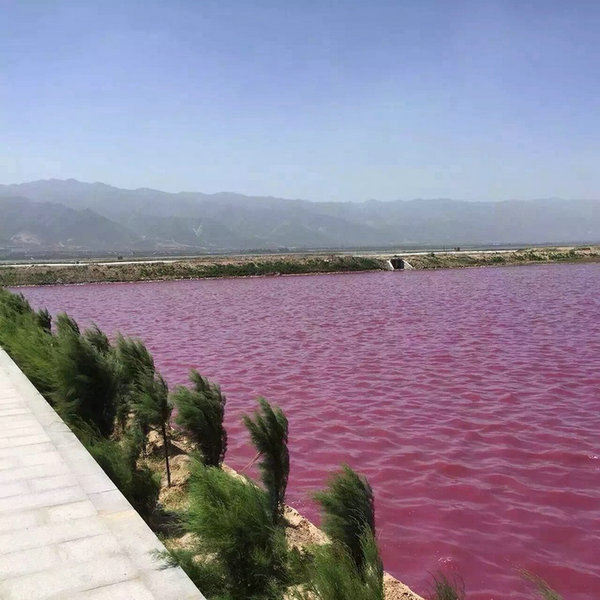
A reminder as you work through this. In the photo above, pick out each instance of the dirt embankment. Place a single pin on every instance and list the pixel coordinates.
(525, 256)
(278, 264)
(197, 268)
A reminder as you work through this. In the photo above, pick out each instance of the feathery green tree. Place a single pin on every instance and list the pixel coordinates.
(230, 519)
(98, 339)
(200, 413)
(269, 433)
(44, 320)
(13, 304)
(85, 381)
(134, 358)
(152, 406)
(333, 574)
(29, 344)
(66, 325)
(348, 511)
(136, 366)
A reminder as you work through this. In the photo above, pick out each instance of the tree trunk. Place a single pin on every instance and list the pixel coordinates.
(166, 444)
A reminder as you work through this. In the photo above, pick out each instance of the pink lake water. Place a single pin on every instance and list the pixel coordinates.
(469, 398)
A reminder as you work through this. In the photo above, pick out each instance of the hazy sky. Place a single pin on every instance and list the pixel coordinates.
(342, 100)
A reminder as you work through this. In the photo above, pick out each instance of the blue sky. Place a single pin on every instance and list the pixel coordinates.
(323, 100)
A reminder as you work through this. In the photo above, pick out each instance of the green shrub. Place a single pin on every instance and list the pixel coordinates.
(134, 359)
(333, 574)
(135, 366)
(30, 346)
(98, 339)
(269, 433)
(13, 304)
(80, 373)
(200, 413)
(44, 320)
(230, 519)
(348, 511)
(542, 589)
(66, 325)
(152, 407)
(445, 589)
(85, 381)
(207, 575)
(532, 256)
(138, 484)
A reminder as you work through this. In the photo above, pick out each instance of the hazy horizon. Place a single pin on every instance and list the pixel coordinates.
(323, 101)
(227, 192)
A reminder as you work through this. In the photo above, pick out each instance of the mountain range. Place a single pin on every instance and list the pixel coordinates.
(69, 216)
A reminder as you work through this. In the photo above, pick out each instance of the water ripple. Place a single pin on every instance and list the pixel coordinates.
(470, 398)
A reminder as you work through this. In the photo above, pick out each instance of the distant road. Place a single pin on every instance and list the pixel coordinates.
(225, 257)
(87, 263)
(425, 253)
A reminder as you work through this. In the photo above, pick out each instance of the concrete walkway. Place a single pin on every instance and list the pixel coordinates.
(66, 532)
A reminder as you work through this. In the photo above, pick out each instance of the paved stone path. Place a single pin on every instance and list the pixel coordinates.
(66, 532)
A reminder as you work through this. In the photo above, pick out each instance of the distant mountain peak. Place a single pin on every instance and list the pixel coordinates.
(73, 214)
